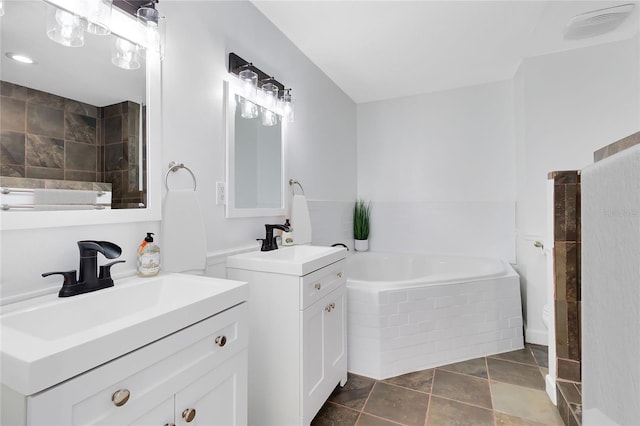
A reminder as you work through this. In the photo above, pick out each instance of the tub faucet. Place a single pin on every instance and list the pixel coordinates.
(89, 279)
(269, 241)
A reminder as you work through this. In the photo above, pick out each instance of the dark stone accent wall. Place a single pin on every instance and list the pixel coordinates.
(568, 298)
(44, 136)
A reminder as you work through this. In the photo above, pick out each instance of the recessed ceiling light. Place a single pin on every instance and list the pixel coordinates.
(597, 22)
(19, 57)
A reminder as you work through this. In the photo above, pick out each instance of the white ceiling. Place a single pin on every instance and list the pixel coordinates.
(376, 50)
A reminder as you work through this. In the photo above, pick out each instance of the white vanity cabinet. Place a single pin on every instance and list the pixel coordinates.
(297, 346)
(197, 375)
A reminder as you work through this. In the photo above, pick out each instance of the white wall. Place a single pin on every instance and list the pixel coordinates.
(440, 171)
(568, 105)
(320, 148)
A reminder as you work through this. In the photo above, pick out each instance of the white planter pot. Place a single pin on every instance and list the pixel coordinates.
(361, 245)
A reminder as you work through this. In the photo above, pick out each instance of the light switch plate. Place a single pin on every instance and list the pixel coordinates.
(221, 193)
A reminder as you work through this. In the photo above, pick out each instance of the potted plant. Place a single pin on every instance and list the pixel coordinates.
(361, 217)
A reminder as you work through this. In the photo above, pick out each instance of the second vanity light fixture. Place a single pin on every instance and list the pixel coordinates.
(69, 20)
(261, 94)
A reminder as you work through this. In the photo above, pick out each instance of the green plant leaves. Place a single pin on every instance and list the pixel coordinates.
(361, 215)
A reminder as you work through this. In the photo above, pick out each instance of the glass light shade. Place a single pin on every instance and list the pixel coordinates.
(249, 81)
(271, 92)
(269, 118)
(248, 109)
(64, 28)
(288, 110)
(155, 29)
(1, 8)
(97, 14)
(124, 54)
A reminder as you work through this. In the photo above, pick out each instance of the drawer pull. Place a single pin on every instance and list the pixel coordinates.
(221, 340)
(120, 397)
(317, 286)
(339, 274)
(189, 414)
(330, 307)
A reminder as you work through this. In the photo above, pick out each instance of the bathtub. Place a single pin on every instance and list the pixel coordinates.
(408, 312)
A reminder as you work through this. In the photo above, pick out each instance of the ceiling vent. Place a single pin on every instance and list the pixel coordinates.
(597, 22)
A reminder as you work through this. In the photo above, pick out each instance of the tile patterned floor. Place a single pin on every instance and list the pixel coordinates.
(502, 390)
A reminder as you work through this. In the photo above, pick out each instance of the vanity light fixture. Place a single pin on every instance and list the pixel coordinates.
(155, 26)
(64, 27)
(97, 15)
(1, 8)
(124, 54)
(18, 57)
(274, 100)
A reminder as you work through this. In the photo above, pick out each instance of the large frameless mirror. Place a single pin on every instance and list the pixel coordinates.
(74, 120)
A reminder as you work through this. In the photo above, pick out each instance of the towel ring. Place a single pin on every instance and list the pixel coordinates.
(295, 182)
(173, 167)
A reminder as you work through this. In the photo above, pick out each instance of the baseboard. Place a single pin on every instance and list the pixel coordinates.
(538, 337)
(550, 386)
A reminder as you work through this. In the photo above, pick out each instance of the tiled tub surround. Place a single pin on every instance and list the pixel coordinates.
(402, 325)
(44, 136)
(568, 300)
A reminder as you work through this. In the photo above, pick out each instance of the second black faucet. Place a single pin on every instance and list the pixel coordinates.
(269, 241)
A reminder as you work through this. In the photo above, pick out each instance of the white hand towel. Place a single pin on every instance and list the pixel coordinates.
(300, 220)
(184, 245)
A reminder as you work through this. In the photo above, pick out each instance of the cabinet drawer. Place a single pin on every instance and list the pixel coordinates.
(89, 396)
(321, 282)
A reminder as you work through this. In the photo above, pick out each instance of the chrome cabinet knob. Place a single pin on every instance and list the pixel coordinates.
(339, 274)
(221, 340)
(330, 307)
(317, 286)
(120, 397)
(189, 414)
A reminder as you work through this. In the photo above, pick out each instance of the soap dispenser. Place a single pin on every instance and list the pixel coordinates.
(148, 257)
(287, 236)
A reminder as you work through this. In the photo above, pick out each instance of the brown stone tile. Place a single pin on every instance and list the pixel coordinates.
(559, 218)
(12, 170)
(397, 404)
(42, 151)
(579, 270)
(563, 407)
(369, 420)
(112, 110)
(526, 403)
(560, 269)
(44, 173)
(573, 330)
(617, 146)
(446, 412)
(569, 370)
(113, 129)
(572, 272)
(20, 182)
(80, 108)
(562, 331)
(116, 157)
(74, 175)
(463, 388)
(540, 353)
(13, 115)
(570, 212)
(523, 356)
(12, 147)
(564, 177)
(14, 91)
(48, 100)
(503, 419)
(578, 212)
(333, 414)
(419, 380)
(354, 393)
(569, 391)
(80, 128)
(80, 156)
(515, 373)
(45, 121)
(473, 367)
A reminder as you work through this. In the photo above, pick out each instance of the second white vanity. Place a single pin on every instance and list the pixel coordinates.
(297, 328)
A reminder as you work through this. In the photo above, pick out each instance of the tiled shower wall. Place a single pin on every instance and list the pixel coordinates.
(46, 136)
(568, 298)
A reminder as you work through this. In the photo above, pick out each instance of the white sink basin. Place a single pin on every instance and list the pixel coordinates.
(292, 260)
(57, 338)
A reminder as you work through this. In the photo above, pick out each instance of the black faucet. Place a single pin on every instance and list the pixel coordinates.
(340, 244)
(269, 241)
(89, 279)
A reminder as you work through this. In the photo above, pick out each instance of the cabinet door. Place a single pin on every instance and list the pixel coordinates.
(218, 398)
(323, 350)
